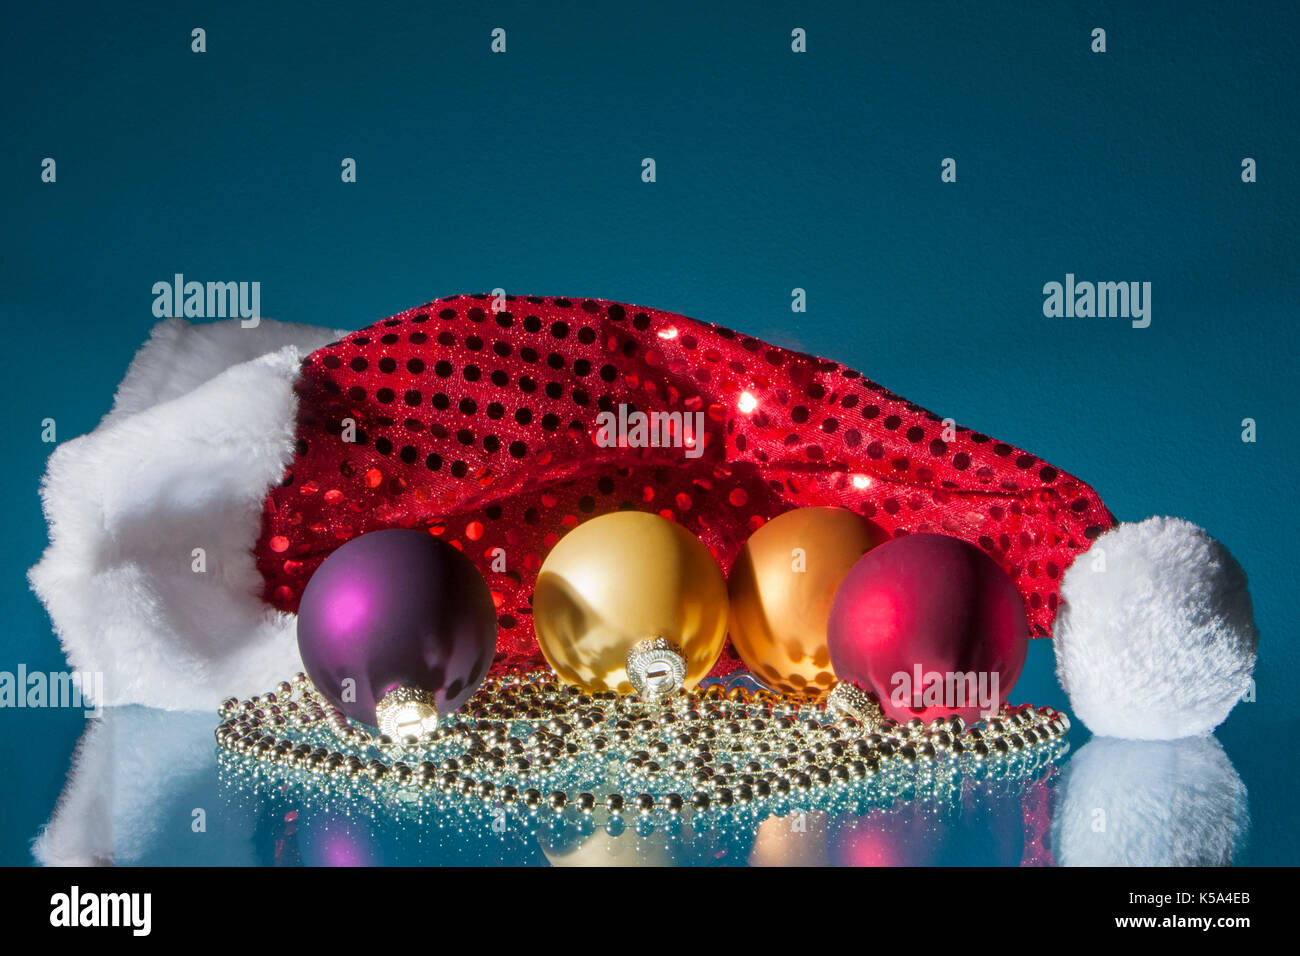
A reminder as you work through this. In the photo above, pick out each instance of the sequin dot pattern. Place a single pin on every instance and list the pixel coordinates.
(478, 420)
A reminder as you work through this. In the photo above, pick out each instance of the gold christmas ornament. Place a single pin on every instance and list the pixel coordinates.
(781, 589)
(630, 602)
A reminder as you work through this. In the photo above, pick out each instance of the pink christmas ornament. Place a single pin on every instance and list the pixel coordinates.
(931, 626)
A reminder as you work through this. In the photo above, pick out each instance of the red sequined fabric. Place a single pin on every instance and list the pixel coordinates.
(477, 419)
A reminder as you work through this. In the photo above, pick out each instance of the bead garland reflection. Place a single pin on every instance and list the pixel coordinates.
(528, 747)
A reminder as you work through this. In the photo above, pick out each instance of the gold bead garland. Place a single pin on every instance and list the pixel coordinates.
(528, 744)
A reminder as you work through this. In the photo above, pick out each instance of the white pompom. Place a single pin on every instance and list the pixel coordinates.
(1155, 639)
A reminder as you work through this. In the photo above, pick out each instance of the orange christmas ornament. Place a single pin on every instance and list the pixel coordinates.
(781, 589)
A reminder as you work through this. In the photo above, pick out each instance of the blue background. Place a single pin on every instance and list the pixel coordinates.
(775, 171)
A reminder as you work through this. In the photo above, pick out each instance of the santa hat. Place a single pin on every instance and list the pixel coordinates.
(498, 424)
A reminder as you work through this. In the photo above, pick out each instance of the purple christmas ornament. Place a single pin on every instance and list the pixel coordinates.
(408, 619)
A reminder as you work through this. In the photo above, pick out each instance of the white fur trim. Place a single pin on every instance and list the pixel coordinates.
(1150, 803)
(1155, 639)
(179, 357)
(202, 426)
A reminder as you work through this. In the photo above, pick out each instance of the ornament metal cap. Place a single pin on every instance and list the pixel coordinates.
(849, 700)
(406, 712)
(656, 667)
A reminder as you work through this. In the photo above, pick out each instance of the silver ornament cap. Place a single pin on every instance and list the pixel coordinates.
(849, 700)
(656, 667)
(406, 712)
